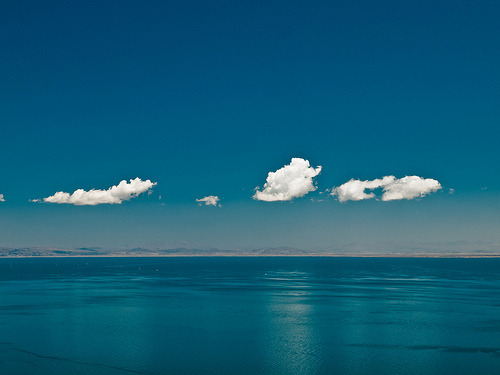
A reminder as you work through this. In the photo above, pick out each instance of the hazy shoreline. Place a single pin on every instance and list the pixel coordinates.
(447, 256)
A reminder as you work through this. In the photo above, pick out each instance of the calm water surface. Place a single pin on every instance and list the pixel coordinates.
(249, 316)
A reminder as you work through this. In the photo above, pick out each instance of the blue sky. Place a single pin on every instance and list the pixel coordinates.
(207, 98)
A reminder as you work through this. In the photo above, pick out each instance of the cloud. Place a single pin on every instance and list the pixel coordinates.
(2, 199)
(211, 200)
(124, 191)
(354, 190)
(292, 181)
(408, 187)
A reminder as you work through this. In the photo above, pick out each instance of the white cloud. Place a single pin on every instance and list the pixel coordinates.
(211, 200)
(2, 199)
(124, 191)
(354, 190)
(292, 181)
(408, 187)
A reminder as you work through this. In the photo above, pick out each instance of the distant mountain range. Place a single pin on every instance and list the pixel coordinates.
(439, 249)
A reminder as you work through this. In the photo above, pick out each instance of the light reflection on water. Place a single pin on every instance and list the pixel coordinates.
(249, 315)
(290, 338)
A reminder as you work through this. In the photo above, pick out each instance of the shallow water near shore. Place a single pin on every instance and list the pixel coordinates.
(266, 315)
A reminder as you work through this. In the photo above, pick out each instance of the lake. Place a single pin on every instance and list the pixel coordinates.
(249, 315)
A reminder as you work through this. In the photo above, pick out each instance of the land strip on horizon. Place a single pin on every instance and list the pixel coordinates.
(8, 252)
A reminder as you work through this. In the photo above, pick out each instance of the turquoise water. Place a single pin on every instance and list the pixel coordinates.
(249, 316)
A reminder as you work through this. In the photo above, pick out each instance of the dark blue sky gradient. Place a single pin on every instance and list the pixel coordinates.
(208, 97)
